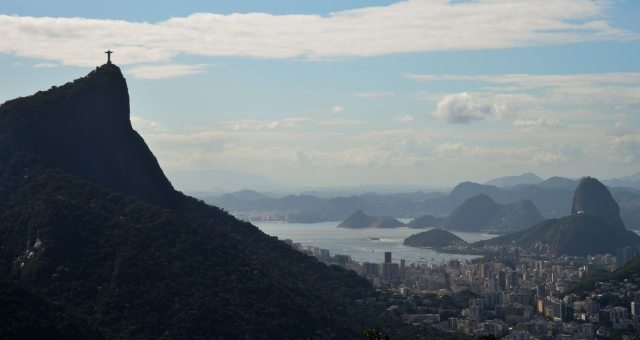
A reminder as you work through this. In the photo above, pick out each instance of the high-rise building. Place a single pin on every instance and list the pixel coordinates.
(502, 280)
(475, 313)
(390, 271)
(370, 269)
(635, 308)
(453, 323)
(387, 257)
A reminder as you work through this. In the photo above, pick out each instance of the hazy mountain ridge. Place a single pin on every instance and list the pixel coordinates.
(629, 201)
(308, 208)
(511, 181)
(425, 221)
(551, 197)
(481, 213)
(359, 220)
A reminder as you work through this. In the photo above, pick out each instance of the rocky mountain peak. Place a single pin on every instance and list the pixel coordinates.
(83, 127)
(592, 197)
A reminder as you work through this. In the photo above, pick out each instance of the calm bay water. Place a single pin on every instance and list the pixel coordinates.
(364, 245)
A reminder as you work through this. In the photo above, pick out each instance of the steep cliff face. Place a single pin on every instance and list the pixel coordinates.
(83, 127)
(593, 198)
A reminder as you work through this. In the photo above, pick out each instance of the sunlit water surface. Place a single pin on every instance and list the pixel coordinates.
(364, 245)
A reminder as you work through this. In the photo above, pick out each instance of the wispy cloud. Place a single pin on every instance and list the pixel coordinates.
(46, 65)
(401, 27)
(147, 125)
(337, 109)
(165, 71)
(257, 125)
(341, 122)
(528, 81)
(404, 119)
(540, 122)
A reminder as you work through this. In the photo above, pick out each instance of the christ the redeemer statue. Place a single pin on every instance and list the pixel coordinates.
(108, 52)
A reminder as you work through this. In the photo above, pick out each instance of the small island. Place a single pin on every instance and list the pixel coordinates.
(359, 220)
(434, 238)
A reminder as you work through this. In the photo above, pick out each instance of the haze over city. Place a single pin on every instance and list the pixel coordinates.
(337, 93)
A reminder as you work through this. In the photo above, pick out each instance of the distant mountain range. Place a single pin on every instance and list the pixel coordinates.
(476, 214)
(552, 198)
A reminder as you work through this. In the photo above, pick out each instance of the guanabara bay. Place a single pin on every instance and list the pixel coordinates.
(96, 243)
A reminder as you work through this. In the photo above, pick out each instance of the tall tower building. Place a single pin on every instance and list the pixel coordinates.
(387, 257)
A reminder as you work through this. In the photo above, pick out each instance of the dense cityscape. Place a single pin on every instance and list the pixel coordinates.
(509, 295)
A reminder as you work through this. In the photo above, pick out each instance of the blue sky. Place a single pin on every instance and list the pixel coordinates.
(332, 93)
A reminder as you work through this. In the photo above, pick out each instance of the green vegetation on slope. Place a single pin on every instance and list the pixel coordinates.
(25, 315)
(630, 271)
(435, 238)
(140, 271)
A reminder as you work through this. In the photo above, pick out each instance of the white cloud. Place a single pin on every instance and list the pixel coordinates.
(449, 149)
(611, 89)
(257, 125)
(549, 158)
(146, 125)
(626, 148)
(374, 94)
(526, 81)
(283, 152)
(405, 26)
(341, 122)
(337, 109)
(165, 71)
(404, 119)
(466, 107)
(540, 122)
(542, 100)
(46, 65)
